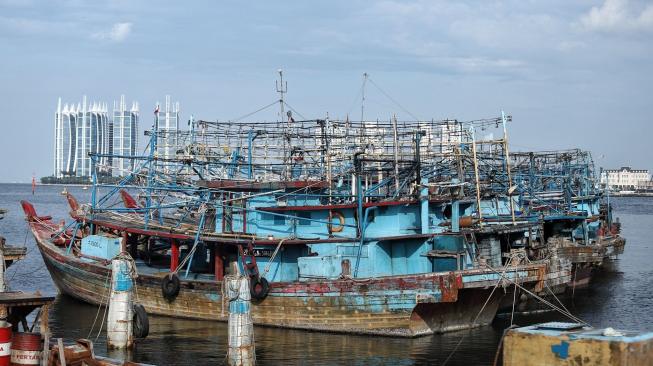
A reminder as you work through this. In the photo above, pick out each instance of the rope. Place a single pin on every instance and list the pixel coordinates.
(499, 348)
(514, 299)
(267, 267)
(565, 313)
(256, 111)
(505, 268)
(99, 308)
(392, 99)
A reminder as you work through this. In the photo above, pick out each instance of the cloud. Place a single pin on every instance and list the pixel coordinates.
(118, 33)
(618, 16)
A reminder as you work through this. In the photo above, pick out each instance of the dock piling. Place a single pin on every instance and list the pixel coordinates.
(119, 320)
(241, 350)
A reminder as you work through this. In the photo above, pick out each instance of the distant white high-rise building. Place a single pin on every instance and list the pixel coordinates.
(79, 130)
(65, 140)
(124, 136)
(168, 129)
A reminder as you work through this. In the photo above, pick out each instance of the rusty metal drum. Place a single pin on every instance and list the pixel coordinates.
(26, 349)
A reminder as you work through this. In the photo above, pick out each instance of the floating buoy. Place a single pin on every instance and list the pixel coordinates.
(336, 228)
(26, 349)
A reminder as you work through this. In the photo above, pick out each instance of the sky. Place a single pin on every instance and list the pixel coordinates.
(571, 73)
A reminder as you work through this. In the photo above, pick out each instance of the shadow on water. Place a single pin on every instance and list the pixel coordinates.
(619, 296)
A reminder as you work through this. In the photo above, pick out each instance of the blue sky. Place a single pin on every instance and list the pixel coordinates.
(572, 73)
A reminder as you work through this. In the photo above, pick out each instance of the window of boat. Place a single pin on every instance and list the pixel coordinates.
(279, 220)
(275, 219)
(303, 215)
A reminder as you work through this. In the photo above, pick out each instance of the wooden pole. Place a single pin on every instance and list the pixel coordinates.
(44, 327)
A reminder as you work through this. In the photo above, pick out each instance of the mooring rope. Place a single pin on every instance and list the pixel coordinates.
(99, 308)
(505, 268)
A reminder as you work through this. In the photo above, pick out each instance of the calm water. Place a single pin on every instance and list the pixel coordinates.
(619, 297)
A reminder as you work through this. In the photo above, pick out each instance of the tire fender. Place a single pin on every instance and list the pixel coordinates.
(141, 326)
(170, 286)
(259, 288)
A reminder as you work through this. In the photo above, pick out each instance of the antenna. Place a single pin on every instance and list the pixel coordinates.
(363, 99)
(281, 89)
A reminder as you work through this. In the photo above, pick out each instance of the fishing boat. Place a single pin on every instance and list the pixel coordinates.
(358, 227)
(562, 188)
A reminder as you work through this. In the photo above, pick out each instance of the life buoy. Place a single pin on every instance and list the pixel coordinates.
(170, 286)
(259, 287)
(341, 220)
(141, 322)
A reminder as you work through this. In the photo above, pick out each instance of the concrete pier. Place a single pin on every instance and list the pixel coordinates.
(561, 344)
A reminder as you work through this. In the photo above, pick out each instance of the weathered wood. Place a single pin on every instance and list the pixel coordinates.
(62, 355)
(44, 326)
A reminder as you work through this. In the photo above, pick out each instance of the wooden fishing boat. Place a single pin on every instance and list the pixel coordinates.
(402, 305)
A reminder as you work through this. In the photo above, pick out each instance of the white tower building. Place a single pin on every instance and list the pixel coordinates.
(79, 130)
(125, 136)
(168, 128)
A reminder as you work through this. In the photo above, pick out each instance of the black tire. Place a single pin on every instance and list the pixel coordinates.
(170, 286)
(141, 323)
(259, 288)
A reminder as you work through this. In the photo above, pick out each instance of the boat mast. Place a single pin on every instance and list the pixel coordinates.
(151, 164)
(283, 89)
(476, 176)
(363, 97)
(507, 156)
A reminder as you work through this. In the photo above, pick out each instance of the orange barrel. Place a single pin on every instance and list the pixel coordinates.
(5, 343)
(26, 349)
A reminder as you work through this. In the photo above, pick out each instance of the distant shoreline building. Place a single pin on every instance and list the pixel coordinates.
(626, 178)
(86, 128)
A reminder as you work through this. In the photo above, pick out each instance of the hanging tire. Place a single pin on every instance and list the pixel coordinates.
(170, 286)
(259, 288)
(141, 323)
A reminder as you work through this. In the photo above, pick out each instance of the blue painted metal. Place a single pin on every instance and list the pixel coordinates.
(100, 246)
(561, 350)
(455, 217)
(122, 279)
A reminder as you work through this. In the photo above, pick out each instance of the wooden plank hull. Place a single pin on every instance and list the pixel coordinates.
(408, 306)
